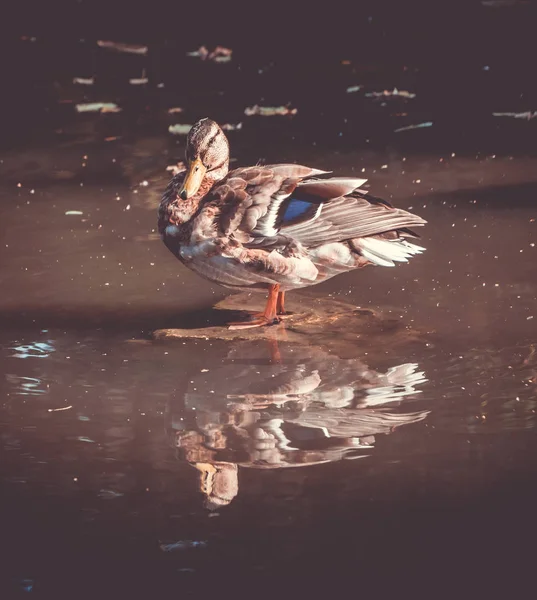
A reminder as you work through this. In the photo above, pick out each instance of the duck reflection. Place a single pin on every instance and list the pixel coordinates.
(287, 406)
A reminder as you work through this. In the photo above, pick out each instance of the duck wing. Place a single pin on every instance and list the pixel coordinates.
(345, 217)
(250, 199)
(266, 206)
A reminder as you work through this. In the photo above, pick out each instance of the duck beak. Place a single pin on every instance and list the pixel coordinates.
(194, 177)
(218, 482)
(207, 472)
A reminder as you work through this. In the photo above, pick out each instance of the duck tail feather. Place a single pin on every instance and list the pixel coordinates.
(384, 252)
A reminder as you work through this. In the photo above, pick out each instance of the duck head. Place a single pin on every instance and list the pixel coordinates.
(207, 157)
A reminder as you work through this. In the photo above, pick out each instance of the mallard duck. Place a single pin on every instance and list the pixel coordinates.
(276, 227)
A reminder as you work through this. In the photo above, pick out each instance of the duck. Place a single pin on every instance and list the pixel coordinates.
(275, 228)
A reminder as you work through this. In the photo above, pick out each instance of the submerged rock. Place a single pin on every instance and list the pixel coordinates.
(333, 324)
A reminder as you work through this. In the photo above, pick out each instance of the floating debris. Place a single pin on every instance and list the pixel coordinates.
(201, 52)
(112, 138)
(503, 3)
(389, 94)
(179, 129)
(182, 545)
(104, 107)
(219, 54)
(528, 115)
(109, 494)
(174, 110)
(58, 409)
(177, 168)
(417, 126)
(84, 80)
(354, 88)
(231, 126)
(138, 81)
(269, 111)
(73, 212)
(119, 47)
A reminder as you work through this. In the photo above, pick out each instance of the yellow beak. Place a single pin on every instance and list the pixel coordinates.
(194, 177)
(207, 471)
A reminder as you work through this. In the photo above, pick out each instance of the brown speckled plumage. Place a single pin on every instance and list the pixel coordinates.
(287, 225)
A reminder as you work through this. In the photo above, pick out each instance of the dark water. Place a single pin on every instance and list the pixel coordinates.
(403, 460)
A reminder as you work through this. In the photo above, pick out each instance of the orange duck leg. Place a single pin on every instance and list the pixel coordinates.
(280, 304)
(268, 316)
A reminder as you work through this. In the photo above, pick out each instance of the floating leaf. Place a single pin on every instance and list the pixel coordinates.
(231, 126)
(179, 129)
(98, 107)
(84, 80)
(219, 54)
(528, 115)
(416, 126)
(182, 545)
(391, 93)
(119, 47)
(269, 111)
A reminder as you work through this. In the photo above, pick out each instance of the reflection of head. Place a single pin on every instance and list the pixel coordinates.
(218, 482)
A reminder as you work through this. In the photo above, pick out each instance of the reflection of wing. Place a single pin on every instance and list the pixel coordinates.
(264, 384)
(309, 408)
(304, 373)
(397, 383)
(356, 422)
(283, 386)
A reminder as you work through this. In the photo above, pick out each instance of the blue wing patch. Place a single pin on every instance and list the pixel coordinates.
(295, 209)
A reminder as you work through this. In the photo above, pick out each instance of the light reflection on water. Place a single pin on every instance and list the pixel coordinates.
(499, 387)
(33, 350)
(26, 386)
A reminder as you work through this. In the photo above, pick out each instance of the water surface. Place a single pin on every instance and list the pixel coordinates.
(394, 458)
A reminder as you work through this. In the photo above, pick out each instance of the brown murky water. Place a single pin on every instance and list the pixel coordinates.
(394, 457)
